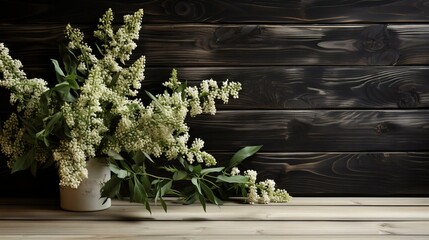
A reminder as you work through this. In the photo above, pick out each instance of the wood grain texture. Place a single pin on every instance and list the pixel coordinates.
(303, 218)
(200, 229)
(214, 237)
(238, 202)
(238, 45)
(336, 91)
(221, 11)
(302, 174)
(307, 130)
(306, 87)
(346, 174)
(312, 87)
(240, 212)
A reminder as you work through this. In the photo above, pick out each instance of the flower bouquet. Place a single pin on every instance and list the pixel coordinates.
(95, 109)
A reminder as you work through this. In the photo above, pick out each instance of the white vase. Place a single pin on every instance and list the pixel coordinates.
(87, 196)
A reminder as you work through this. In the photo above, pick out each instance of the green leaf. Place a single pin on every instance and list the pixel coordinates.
(115, 155)
(180, 175)
(122, 174)
(44, 102)
(68, 97)
(131, 188)
(191, 198)
(146, 182)
(243, 191)
(29, 125)
(140, 194)
(41, 135)
(155, 100)
(170, 169)
(25, 161)
(196, 183)
(202, 201)
(69, 59)
(125, 165)
(211, 170)
(58, 69)
(182, 86)
(196, 169)
(148, 157)
(166, 188)
(71, 79)
(163, 204)
(208, 192)
(210, 195)
(163, 187)
(183, 162)
(138, 157)
(54, 120)
(111, 188)
(114, 168)
(63, 88)
(233, 179)
(99, 49)
(67, 131)
(242, 154)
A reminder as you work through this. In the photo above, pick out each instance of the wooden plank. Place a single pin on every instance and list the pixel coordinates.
(212, 228)
(222, 11)
(299, 87)
(302, 174)
(243, 212)
(215, 237)
(237, 221)
(238, 201)
(285, 45)
(248, 45)
(312, 87)
(344, 174)
(296, 201)
(308, 130)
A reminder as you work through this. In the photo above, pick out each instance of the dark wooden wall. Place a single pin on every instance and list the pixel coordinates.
(337, 91)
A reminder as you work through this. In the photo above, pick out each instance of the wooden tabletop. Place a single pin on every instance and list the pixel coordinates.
(302, 218)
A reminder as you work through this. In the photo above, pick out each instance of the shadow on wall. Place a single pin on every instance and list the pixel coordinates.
(24, 184)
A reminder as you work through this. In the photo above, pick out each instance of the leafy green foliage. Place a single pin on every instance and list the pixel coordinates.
(242, 154)
(199, 183)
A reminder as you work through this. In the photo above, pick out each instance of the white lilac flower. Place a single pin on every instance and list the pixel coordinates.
(252, 174)
(105, 30)
(76, 37)
(265, 198)
(71, 161)
(120, 44)
(252, 196)
(235, 171)
(25, 93)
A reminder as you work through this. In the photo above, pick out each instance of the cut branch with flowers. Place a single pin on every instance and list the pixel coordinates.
(95, 110)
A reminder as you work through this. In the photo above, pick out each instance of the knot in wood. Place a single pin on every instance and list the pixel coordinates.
(381, 128)
(408, 99)
(185, 9)
(379, 45)
(372, 45)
